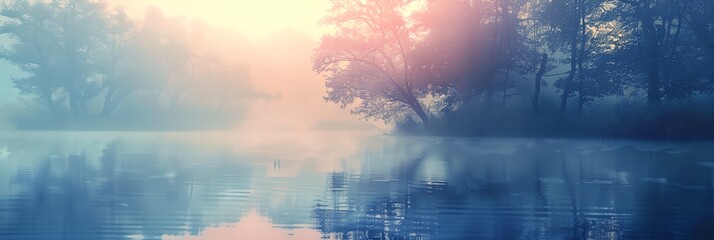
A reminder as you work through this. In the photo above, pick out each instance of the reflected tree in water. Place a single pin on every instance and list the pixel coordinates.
(532, 191)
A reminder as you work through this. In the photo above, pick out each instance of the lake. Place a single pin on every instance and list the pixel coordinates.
(103, 185)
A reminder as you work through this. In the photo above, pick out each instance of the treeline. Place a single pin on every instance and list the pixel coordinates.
(87, 62)
(608, 68)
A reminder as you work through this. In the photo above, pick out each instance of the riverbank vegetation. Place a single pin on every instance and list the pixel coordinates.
(604, 68)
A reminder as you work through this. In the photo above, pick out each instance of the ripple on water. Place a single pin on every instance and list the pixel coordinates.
(389, 188)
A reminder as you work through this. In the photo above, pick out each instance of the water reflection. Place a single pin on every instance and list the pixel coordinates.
(251, 226)
(148, 187)
(115, 190)
(521, 189)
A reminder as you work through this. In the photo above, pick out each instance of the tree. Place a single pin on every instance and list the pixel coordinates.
(116, 48)
(460, 52)
(161, 60)
(644, 14)
(34, 50)
(473, 47)
(571, 24)
(539, 81)
(668, 42)
(60, 44)
(366, 60)
(699, 16)
(222, 82)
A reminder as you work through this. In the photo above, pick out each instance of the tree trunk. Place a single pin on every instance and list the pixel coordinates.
(652, 56)
(50, 103)
(106, 107)
(506, 39)
(653, 94)
(412, 101)
(505, 84)
(573, 61)
(581, 103)
(581, 75)
(538, 80)
(418, 109)
(84, 109)
(667, 75)
(73, 100)
(74, 93)
(571, 75)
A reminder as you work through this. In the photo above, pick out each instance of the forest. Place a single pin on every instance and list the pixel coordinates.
(565, 68)
(87, 65)
(575, 68)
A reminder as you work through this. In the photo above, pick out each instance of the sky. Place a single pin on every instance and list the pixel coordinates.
(255, 19)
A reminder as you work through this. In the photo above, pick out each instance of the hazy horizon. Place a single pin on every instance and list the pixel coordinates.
(275, 47)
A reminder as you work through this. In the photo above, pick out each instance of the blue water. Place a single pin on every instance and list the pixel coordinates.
(151, 186)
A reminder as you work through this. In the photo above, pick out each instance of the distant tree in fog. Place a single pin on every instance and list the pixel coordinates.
(165, 55)
(84, 58)
(230, 83)
(60, 44)
(159, 61)
(119, 33)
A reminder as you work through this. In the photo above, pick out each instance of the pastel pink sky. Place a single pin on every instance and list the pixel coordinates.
(254, 18)
(275, 38)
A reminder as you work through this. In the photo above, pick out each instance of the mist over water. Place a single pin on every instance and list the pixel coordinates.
(210, 186)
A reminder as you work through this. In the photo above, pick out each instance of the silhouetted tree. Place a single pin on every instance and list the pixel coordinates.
(473, 47)
(367, 59)
(664, 48)
(573, 30)
(539, 81)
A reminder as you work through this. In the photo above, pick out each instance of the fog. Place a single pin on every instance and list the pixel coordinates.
(275, 40)
(207, 73)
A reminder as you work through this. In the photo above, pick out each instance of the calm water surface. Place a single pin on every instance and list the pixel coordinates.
(203, 186)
